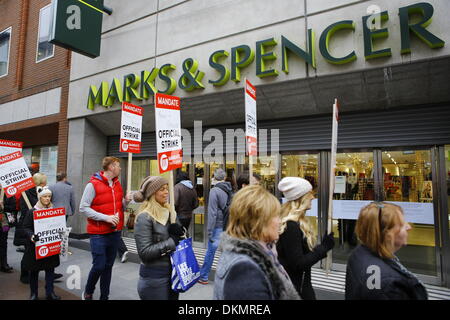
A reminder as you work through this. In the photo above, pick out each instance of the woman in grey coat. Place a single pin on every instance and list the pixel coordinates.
(157, 233)
(248, 268)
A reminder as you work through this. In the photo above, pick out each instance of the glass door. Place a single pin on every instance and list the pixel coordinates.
(408, 182)
(199, 213)
(354, 188)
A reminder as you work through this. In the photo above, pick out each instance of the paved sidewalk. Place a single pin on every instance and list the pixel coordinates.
(123, 284)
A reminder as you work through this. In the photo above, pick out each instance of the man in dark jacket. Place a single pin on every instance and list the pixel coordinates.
(186, 199)
(218, 199)
(63, 196)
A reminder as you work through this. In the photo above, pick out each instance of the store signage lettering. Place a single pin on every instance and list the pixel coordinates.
(143, 86)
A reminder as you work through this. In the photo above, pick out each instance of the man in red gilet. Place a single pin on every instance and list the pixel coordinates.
(103, 204)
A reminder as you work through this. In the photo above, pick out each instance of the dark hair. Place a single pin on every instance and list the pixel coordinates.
(60, 176)
(181, 175)
(242, 179)
(257, 176)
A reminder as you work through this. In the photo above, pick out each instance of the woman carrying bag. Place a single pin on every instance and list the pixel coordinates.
(48, 264)
(297, 245)
(157, 233)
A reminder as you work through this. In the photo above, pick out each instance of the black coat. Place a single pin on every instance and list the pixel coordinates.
(394, 283)
(19, 234)
(297, 259)
(186, 201)
(29, 258)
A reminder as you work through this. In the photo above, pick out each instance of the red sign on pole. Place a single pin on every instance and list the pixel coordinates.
(251, 127)
(8, 146)
(168, 132)
(131, 128)
(14, 174)
(49, 225)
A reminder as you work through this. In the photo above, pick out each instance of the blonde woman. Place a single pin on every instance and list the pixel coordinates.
(373, 270)
(157, 233)
(297, 245)
(248, 268)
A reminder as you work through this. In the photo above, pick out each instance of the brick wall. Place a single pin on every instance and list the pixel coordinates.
(26, 77)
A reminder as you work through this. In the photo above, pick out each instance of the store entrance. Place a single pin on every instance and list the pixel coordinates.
(404, 177)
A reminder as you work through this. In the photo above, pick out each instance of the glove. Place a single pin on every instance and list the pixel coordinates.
(35, 238)
(5, 228)
(175, 232)
(328, 241)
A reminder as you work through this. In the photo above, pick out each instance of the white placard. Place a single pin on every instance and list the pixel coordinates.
(131, 128)
(340, 183)
(8, 146)
(50, 226)
(415, 212)
(251, 128)
(14, 174)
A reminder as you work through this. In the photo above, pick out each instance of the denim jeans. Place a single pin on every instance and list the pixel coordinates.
(49, 278)
(104, 250)
(213, 244)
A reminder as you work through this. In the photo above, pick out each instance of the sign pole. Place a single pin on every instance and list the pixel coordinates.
(27, 201)
(2, 194)
(171, 191)
(329, 260)
(130, 165)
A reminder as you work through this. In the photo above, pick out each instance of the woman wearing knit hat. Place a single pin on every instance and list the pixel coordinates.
(157, 232)
(296, 247)
(48, 264)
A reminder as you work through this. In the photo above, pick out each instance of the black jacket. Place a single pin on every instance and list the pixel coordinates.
(186, 200)
(29, 258)
(153, 242)
(19, 234)
(296, 257)
(394, 283)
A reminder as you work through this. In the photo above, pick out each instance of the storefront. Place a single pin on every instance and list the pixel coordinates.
(394, 136)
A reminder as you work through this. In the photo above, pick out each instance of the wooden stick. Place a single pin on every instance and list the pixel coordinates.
(171, 193)
(27, 201)
(130, 165)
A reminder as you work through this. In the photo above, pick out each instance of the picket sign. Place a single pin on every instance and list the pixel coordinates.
(131, 134)
(168, 137)
(332, 178)
(251, 129)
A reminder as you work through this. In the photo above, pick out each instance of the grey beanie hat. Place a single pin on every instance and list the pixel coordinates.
(219, 174)
(149, 186)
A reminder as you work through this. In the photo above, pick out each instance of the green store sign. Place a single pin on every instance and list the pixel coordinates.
(142, 87)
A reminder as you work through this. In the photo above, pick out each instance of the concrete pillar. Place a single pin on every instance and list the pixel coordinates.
(86, 148)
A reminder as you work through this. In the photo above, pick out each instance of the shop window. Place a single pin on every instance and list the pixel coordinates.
(45, 49)
(354, 188)
(447, 166)
(407, 182)
(304, 166)
(5, 40)
(139, 172)
(44, 160)
(266, 167)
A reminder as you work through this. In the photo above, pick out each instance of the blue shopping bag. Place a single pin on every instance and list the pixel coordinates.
(185, 269)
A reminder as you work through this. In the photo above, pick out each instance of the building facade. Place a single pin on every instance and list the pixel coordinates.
(387, 63)
(34, 85)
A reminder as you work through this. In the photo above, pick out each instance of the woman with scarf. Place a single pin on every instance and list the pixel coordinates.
(248, 268)
(373, 270)
(157, 233)
(48, 264)
(297, 245)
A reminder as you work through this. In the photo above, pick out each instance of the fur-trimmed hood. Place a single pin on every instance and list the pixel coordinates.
(282, 287)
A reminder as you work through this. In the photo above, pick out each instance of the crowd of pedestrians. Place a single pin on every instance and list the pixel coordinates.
(267, 248)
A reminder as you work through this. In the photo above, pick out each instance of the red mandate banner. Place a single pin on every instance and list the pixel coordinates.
(168, 132)
(8, 146)
(251, 127)
(131, 128)
(49, 225)
(14, 174)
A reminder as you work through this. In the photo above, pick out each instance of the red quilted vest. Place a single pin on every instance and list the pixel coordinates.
(108, 200)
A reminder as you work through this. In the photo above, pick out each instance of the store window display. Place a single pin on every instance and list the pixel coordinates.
(44, 160)
(354, 180)
(266, 167)
(407, 177)
(304, 166)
